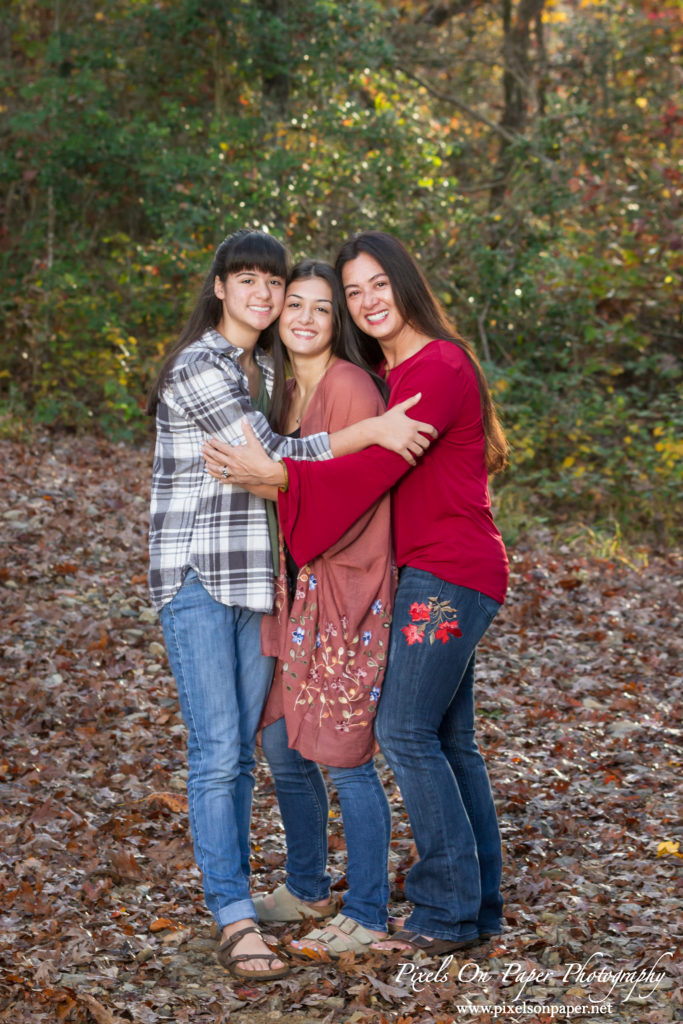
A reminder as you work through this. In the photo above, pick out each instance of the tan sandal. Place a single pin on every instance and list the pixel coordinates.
(288, 908)
(355, 939)
(231, 963)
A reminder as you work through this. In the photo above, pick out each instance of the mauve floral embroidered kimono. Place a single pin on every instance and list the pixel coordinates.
(332, 643)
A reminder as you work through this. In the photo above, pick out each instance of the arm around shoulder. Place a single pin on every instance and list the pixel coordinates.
(393, 430)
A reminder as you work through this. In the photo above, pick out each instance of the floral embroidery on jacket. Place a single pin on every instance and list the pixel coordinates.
(431, 620)
(335, 673)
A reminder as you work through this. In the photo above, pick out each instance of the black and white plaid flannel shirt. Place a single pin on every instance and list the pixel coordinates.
(216, 528)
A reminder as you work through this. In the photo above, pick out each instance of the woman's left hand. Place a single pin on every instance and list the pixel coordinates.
(247, 465)
(399, 433)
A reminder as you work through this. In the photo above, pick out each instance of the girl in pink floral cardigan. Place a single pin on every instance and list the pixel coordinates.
(330, 629)
(330, 634)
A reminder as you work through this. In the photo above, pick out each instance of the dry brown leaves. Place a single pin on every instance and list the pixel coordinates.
(102, 916)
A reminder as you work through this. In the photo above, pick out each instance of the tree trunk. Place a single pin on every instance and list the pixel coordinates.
(275, 73)
(516, 85)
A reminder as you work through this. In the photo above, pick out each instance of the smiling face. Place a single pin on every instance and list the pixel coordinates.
(306, 321)
(370, 299)
(252, 299)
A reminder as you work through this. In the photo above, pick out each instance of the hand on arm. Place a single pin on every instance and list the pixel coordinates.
(360, 478)
(247, 465)
(393, 430)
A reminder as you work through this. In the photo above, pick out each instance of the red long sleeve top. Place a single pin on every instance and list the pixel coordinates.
(441, 509)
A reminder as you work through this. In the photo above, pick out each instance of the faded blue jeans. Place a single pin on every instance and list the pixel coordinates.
(302, 796)
(425, 727)
(215, 655)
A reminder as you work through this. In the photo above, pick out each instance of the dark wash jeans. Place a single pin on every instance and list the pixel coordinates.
(425, 727)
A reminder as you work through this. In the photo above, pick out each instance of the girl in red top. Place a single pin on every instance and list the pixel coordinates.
(452, 580)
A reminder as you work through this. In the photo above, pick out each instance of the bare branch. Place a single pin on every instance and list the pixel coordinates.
(484, 186)
(470, 111)
(483, 337)
(475, 115)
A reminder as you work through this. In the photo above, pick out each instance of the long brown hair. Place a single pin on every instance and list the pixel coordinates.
(246, 249)
(420, 308)
(345, 343)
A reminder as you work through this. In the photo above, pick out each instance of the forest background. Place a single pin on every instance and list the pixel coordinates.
(528, 151)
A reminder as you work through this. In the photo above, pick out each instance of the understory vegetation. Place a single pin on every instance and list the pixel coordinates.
(528, 151)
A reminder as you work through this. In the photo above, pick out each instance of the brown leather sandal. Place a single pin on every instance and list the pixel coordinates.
(417, 942)
(231, 963)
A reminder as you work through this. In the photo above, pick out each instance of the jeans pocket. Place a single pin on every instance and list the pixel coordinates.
(489, 606)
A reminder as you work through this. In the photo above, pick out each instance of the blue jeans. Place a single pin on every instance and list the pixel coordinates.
(425, 727)
(302, 796)
(215, 655)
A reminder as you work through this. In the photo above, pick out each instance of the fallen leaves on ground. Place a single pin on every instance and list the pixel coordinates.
(102, 915)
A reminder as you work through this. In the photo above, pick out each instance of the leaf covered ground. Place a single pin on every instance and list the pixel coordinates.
(101, 913)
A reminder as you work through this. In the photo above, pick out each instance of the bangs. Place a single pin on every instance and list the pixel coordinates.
(258, 251)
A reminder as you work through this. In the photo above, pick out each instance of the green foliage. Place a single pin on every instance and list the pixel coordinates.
(136, 135)
(583, 446)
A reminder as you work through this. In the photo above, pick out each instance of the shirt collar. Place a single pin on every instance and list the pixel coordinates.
(214, 339)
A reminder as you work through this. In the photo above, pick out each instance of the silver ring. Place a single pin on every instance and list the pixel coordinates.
(225, 474)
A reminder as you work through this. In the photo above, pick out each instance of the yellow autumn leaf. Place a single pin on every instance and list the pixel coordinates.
(668, 847)
(554, 17)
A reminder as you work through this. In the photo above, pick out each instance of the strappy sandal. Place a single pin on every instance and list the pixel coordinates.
(355, 939)
(231, 963)
(420, 943)
(288, 907)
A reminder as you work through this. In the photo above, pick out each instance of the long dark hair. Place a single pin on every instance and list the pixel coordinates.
(246, 249)
(345, 343)
(420, 308)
